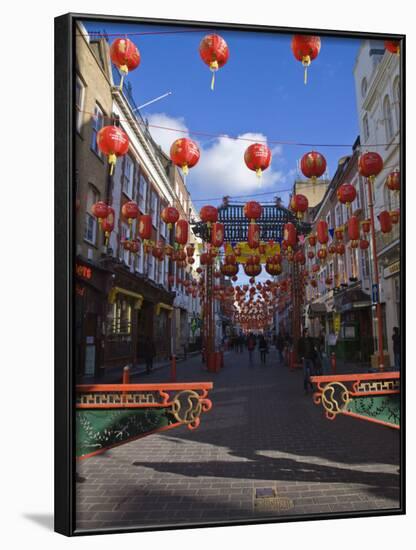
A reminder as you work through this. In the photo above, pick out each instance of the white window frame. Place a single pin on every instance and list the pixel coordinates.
(143, 188)
(80, 103)
(92, 197)
(97, 122)
(366, 127)
(388, 118)
(128, 179)
(338, 215)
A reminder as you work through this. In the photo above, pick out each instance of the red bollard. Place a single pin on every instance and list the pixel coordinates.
(126, 375)
(333, 363)
(173, 369)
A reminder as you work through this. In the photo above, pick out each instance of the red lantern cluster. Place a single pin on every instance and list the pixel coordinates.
(258, 157)
(289, 235)
(313, 165)
(385, 221)
(253, 236)
(217, 234)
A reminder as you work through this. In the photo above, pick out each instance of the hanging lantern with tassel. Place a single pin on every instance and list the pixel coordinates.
(214, 52)
(258, 158)
(113, 142)
(305, 48)
(184, 153)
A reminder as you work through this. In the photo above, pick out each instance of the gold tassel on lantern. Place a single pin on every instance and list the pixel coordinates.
(306, 61)
(112, 159)
(214, 67)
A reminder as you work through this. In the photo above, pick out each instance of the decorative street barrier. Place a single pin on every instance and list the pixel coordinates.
(108, 415)
(371, 397)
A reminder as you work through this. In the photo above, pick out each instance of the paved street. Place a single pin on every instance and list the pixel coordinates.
(262, 433)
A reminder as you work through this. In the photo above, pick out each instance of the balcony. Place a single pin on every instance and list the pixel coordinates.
(384, 240)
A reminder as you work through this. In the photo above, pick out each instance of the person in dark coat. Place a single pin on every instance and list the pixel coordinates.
(263, 349)
(251, 344)
(307, 352)
(149, 353)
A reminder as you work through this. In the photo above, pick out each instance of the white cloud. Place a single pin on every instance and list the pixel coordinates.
(221, 169)
(165, 138)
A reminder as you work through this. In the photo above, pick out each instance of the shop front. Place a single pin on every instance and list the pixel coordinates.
(91, 287)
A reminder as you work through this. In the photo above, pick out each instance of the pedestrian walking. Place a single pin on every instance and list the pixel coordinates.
(149, 353)
(251, 344)
(396, 347)
(263, 349)
(306, 351)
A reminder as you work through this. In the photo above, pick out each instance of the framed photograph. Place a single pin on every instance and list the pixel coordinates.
(229, 236)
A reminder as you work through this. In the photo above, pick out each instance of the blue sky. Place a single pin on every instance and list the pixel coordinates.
(259, 92)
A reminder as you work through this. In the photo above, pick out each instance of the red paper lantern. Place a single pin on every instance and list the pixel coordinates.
(322, 232)
(107, 223)
(100, 210)
(316, 268)
(252, 270)
(217, 234)
(385, 221)
(300, 257)
(322, 254)
(366, 225)
(312, 240)
(113, 142)
(253, 236)
(214, 52)
(181, 232)
(299, 204)
(340, 248)
(311, 254)
(170, 216)
(130, 210)
(208, 214)
(158, 252)
(364, 244)
(230, 259)
(339, 233)
(206, 259)
(258, 157)
(370, 164)
(346, 194)
(145, 226)
(125, 55)
(289, 235)
(331, 249)
(229, 269)
(190, 250)
(184, 153)
(394, 216)
(314, 283)
(353, 228)
(393, 46)
(393, 181)
(305, 48)
(313, 165)
(252, 210)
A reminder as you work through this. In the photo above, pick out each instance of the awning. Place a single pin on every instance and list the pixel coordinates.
(167, 307)
(317, 308)
(118, 290)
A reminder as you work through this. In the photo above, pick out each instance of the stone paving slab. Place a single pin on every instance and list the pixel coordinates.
(262, 432)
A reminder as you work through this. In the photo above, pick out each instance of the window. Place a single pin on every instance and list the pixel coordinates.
(142, 193)
(328, 220)
(97, 122)
(90, 233)
(365, 266)
(79, 102)
(396, 97)
(119, 319)
(162, 226)
(124, 254)
(128, 175)
(388, 119)
(363, 87)
(338, 215)
(366, 129)
(154, 208)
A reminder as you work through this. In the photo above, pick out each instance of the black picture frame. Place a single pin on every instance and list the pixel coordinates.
(65, 253)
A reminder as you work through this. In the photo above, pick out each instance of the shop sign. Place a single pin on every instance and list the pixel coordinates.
(83, 271)
(374, 294)
(392, 269)
(337, 322)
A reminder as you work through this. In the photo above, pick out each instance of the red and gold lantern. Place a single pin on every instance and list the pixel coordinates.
(252, 210)
(208, 214)
(370, 164)
(346, 194)
(100, 211)
(184, 153)
(258, 157)
(113, 142)
(107, 224)
(289, 235)
(353, 228)
(322, 232)
(299, 204)
(125, 55)
(339, 233)
(395, 216)
(393, 181)
(214, 52)
(322, 254)
(130, 211)
(170, 216)
(305, 48)
(313, 165)
(340, 248)
(364, 244)
(385, 221)
(181, 232)
(253, 236)
(312, 240)
(217, 234)
(366, 226)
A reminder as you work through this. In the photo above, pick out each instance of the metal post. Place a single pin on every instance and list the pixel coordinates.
(126, 375)
(333, 363)
(209, 317)
(379, 315)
